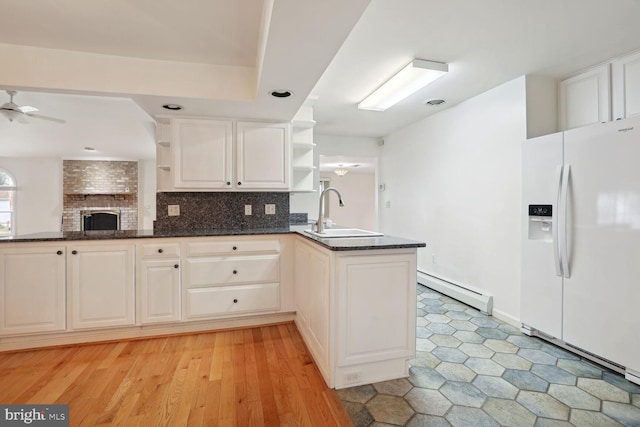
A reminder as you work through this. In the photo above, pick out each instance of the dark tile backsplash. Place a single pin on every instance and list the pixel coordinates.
(203, 211)
(298, 218)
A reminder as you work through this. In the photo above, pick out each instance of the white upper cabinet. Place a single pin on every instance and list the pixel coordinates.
(202, 153)
(625, 79)
(585, 98)
(263, 152)
(205, 156)
(608, 92)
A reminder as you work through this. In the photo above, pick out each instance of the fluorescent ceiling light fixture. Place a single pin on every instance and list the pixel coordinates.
(413, 77)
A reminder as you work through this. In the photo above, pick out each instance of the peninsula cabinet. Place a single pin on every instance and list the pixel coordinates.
(102, 284)
(312, 296)
(206, 156)
(32, 289)
(356, 312)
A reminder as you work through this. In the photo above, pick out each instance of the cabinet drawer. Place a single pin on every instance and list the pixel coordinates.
(232, 247)
(201, 272)
(206, 302)
(160, 250)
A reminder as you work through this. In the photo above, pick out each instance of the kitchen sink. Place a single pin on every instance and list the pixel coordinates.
(344, 232)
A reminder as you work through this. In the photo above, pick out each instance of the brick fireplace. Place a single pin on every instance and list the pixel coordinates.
(101, 186)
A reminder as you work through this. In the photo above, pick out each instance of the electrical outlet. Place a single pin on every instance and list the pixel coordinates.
(270, 209)
(352, 377)
(387, 204)
(247, 209)
(173, 210)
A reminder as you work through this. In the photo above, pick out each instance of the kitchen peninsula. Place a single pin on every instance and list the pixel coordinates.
(352, 299)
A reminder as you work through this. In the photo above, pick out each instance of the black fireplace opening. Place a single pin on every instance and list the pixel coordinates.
(100, 220)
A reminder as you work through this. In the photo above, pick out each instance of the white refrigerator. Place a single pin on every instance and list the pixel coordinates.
(581, 241)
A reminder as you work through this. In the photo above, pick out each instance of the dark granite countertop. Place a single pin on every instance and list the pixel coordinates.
(334, 244)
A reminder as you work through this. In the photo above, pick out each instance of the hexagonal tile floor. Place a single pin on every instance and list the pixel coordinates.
(474, 370)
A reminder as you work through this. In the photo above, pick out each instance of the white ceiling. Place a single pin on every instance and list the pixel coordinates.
(222, 58)
(485, 43)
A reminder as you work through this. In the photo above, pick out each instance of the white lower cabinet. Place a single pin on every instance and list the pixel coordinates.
(356, 311)
(102, 285)
(226, 300)
(230, 277)
(32, 289)
(312, 296)
(159, 283)
(376, 307)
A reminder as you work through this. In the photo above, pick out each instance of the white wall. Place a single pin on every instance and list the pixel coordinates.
(39, 193)
(358, 193)
(453, 181)
(330, 145)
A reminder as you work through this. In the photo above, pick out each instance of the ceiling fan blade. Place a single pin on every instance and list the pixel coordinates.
(27, 109)
(51, 119)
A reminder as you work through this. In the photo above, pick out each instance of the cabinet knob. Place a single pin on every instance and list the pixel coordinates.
(235, 271)
(235, 248)
(59, 252)
(74, 252)
(235, 300)
(228, 182)
(160, 251)
(239, 183)
(175, 266)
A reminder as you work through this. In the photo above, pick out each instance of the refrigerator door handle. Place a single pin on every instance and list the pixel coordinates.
(556, 224)
(564, 214)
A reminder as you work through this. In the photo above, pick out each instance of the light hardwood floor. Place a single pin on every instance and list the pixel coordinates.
(248, 377)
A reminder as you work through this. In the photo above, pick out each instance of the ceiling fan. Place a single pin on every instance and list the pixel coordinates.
(13, 111)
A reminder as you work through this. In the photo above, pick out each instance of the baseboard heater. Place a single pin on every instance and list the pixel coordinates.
(464, 294)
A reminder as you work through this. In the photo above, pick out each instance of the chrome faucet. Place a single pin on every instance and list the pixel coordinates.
(319, 227)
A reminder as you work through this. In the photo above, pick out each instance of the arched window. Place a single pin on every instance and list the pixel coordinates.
(7, 204)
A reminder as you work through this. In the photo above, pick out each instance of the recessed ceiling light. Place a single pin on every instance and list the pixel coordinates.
(434, 102)
(172, 107)
(89, 149)
(282, 93)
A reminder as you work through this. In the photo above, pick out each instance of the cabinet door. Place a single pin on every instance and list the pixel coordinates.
(263, 156)
(312, 301)
(625, 81)
(202, 151)
(301, 286)
(319, 319)
(376, 308)
(32, 290)
(159, 290)
(585, 99)
(102, 285)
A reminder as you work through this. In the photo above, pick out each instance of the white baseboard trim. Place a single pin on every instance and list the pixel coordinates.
(466, 294)
(12, 343)
(507, 318)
